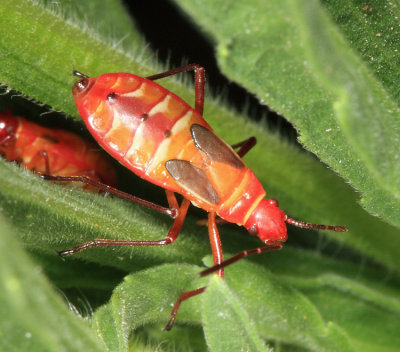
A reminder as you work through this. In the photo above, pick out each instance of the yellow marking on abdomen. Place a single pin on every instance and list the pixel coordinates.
(148, 93)
(160, 106)
(167, 150)
(126, 84)
(120, 134)
(141, 149)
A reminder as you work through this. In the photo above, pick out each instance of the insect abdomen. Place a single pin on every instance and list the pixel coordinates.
(144, 126)
(139, 123)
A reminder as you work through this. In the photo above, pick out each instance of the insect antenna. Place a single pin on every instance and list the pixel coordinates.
(79, 74)
(307, 225)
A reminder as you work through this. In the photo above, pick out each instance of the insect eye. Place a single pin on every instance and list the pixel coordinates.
(253, 231)
(82, 84)
(273, 202)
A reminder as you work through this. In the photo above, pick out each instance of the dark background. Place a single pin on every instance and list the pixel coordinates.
(176, 41)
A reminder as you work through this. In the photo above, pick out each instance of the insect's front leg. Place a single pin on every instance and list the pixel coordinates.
(35, 160)
(6, 139)
(243, 254)
(171, 212)
(183, 297)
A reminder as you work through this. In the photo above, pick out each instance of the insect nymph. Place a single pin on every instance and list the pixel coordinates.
(52, 151)
(165, 141)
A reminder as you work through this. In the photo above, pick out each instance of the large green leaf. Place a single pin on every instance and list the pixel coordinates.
(31, 309)
(303, 186)
(235, 328)
(315, 311)
(37, 56)
(145, 298)
(331, 70)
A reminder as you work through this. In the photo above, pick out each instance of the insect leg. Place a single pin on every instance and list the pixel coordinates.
(93, 175)
(217, 255)
(245, 146)
(215, 242)
(173, 213)
(183, 297)
(45, 156)
(6, 139)
(40, 154)
(199, 82)
(171, 237)
(172, 202)
(238, 256)
(90, 173)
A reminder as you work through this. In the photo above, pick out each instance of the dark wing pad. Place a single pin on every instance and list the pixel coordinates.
(214, 147)
(192, 179)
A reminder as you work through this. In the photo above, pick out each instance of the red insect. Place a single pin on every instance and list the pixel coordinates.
(52, 151)
(162, 139)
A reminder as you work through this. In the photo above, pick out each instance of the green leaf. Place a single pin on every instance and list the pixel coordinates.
(49, 71)
(226, 324)
(305, 305)
(145, 298)
(303, 186)
(360, 95)
(329, 69)
(31, 309)
(317, 312)
(115, 26)
(307, 301)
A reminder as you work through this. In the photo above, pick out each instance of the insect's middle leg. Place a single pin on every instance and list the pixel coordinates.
(215, 243)
(36, 158)
(170, 238)
(183, 297)
(93, 175)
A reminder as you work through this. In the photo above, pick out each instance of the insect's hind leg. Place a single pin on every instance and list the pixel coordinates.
(245, 146)
(217, 256)
(199, 82)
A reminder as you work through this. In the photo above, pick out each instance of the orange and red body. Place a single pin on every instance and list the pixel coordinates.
(54, 151)
(162, 139)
